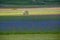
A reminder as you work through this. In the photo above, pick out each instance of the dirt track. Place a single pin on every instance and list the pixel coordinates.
(6, 9)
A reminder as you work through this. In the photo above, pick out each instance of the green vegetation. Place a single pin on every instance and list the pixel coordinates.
(37, 18)
(31, 37)
(8, 33)
(30, 18)
(28, 2)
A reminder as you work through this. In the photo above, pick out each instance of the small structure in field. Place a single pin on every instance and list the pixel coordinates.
(25, 13)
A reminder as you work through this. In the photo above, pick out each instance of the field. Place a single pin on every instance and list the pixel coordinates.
(31, 37)
(32, 11)
(39, 20)
(45, 20)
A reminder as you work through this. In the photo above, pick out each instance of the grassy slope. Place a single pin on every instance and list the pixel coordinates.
(31, 37)
(31, 18)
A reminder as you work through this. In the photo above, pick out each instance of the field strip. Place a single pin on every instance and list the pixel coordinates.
(31, 37)
(32, 11)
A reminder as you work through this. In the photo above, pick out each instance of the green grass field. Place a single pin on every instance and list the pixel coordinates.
(31, 37)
